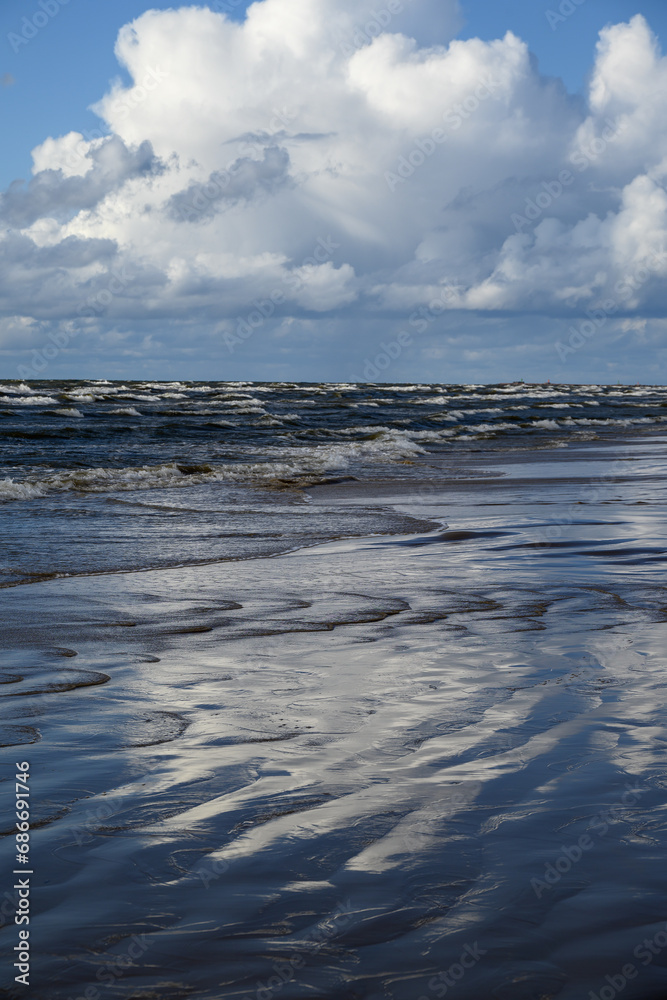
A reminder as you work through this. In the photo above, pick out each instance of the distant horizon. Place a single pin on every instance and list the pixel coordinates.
(183, 381)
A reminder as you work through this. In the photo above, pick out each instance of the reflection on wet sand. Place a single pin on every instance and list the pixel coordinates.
(398, 767)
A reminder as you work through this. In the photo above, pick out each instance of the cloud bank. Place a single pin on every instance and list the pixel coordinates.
(276, 195)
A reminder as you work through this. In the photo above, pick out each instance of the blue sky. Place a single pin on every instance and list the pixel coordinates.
(68, 65)
(520, 288)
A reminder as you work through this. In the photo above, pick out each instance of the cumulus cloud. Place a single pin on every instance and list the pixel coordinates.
(51, 193)
(441, 170)
(243, 180)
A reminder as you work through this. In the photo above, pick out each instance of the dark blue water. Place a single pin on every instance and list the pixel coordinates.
(100, 436)
(99, 476)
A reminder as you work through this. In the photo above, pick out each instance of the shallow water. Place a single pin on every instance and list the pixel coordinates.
(361, 769)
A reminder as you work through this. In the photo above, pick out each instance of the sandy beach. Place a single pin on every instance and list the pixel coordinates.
(401, 766)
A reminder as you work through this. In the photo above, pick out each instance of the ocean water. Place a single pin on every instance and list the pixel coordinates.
(357, 695)
(98, 476)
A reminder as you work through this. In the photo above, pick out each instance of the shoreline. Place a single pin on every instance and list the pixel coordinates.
(229, 759)
(374, 497)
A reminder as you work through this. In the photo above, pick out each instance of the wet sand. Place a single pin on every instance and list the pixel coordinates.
(401, 766)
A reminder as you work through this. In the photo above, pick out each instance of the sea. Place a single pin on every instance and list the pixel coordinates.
(335, 691)
(98, 476)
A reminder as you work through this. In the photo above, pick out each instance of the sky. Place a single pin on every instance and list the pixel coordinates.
(334, 190)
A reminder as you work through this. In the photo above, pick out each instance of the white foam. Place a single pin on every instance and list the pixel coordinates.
(9, 490)
(436, 436)
(65, 411)
(17, 389)
(289, 463)
(611, 422)
(247, 410)
(32, 401)
(481, 409)
(491, 428)
(267, 421)
(157, 386)
(404, 388)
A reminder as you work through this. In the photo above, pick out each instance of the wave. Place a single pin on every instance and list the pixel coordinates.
(493, 428)
(17, 389)
(612, 421)
(550, 425)
(80, 396)
(31, 401)
(282, 433)
(10, 490)
(68, 411)
(290, 465)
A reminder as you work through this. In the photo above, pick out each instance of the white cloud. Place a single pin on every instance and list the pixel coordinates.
(239, 145)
